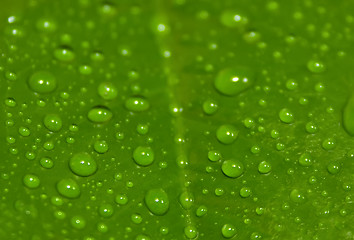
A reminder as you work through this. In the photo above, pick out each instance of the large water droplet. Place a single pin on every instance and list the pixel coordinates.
(143, 156)
(157, 201)
(232, 168)
(68, 188)
(137, 104)
(42, 82)
(226, 134)
(99, 115)
(232, 81)
(83, 164)
(53, 122)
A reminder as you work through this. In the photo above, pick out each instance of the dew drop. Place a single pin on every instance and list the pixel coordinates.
(137, 104)
(297, 196)
(106, 210)
(286, 116)
(42, 82)
(264, 167)
(31, 181)
(214, 155)
(311, 127)
(232, 81)
(64, 54)
(142, 129)
(245, 192)
(78, 222)
(201, 211)
(46, 25)
(107, 91)
(190, 232)
(232, 18)
(315, 66)
(305, 160)
(100, 146)
(99, 115)
(143, 156)
(121, 199)
(46, 162)
(228, 230)
(232, 168)
(68, 188)
(23, 131)
(333, 167)
(53, 122)
(226, 134)
(328, 144)
(186, 199)
(82, 164)
(157, 201)
(210, 107)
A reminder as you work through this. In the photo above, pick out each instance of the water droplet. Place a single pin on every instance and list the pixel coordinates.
(46, 25)
(255, 236)
(328, 144)
(53, 122)
(214, 155)
(78, 222)
(85, 70)
(143, 156)
(107, 91)
(210, 106)
(68, 188)
(233, 81)
(228, 230)
(100, 146)
(121, 199)
(10, 102)
(297, 196)
(101, 227)
(232, 168)
(106, 210)
(136, 218)
(42, 82)
(248, 122)
(137, 104)
(142, 237)
(232, 18)
(46, 162)
(333, 167)
(23, 131)
(286, 116)
(99, 115)
(186, 199)
(31, 181)
(348, 116)
(142, 129)
(315, 66)
(291, 84)
(64, 54)
(226, 134)
(305, 160)
(83, 164)
(245, 192)
(201, 211)
(157, 201)
(264, 167)
(190, 232)
(311, 127)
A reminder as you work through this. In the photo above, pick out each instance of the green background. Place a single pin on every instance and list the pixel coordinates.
(175, 70)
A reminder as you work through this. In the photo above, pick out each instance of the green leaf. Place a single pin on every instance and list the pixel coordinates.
(176, 119)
